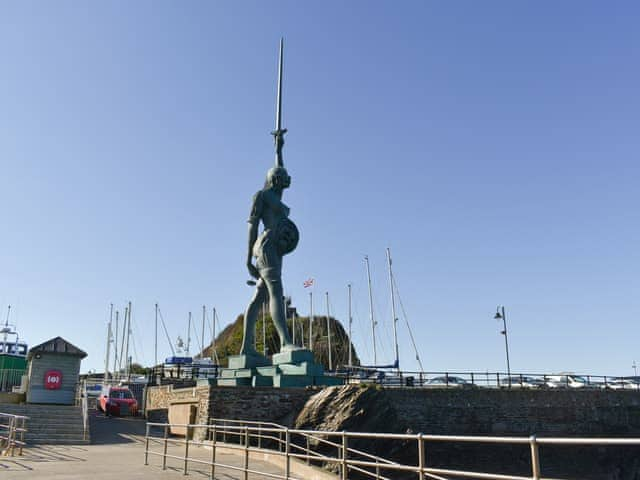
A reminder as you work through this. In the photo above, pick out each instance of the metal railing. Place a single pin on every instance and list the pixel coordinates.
(10, 378)
(85, 410)
(467, 379)
(12, 431)
(297, 447)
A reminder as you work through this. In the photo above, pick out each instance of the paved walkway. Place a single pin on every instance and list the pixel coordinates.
(116, 452)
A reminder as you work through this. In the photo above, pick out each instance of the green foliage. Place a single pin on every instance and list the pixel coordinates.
(230, 340)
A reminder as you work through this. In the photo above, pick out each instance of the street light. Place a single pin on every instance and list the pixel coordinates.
(502, 316)
(635, 369)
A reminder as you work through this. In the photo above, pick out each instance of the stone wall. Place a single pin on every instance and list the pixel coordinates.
(563, 412)
(160, 398)
(267, 404)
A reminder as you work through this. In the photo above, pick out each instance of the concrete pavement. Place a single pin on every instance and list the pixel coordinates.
(117, 452)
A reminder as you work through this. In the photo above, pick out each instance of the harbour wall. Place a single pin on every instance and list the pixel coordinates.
(493, 412)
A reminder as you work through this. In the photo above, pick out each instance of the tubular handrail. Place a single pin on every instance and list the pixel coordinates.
(16, 430)
(85, 410)
(347, 458)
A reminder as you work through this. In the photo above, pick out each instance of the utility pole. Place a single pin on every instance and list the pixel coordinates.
(502, 316)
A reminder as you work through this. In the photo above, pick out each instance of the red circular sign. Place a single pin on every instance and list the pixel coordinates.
(52, 379)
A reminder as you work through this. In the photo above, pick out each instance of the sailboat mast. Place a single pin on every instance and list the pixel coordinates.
(311, 321)
(293, 326)
(394, 318)
(124, 335)
(155, 345)
(6, 325)
(329, 334)
(127, 362)
(115, 344)
(373, 323)
(350, 321)
(213, 341)
(106, 359)
(189, 334)
(204, 313)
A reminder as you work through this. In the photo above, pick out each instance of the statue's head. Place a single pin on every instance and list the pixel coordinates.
(278, 177)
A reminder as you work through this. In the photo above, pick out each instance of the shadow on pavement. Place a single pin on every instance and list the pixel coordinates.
(42, 454)
(109, 430)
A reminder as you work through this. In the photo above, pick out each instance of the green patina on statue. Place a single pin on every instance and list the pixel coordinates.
(279, 237)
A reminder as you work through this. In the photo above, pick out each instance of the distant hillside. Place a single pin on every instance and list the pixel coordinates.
(230, 340)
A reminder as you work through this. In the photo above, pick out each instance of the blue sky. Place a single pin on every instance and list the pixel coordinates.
(493, 146)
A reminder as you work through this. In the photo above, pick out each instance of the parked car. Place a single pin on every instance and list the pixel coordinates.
(622, 384)
(117, 401)
(521, 381)
(567, 381)
(448, 382)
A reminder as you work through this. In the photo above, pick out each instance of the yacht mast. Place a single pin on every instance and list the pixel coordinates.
(155, 346)
(106, 360)
(188, 334)
(350, 321)
(311, 321)
(329, 335)
(115, 344)
(373, 323)
(204, 313)
(394, 318)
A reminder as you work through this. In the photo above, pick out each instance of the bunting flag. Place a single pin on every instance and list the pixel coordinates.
(308, 283)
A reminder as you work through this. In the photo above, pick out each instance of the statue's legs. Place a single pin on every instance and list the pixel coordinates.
(250, 318)
(273, 283)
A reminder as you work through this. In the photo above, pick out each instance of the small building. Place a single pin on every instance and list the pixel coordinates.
(53, 368)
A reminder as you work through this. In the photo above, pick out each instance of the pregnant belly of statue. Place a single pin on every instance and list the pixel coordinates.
(287, 236)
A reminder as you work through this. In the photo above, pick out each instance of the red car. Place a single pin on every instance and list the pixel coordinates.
(117, 401)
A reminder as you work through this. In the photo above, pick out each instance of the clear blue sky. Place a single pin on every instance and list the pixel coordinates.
(492, 145)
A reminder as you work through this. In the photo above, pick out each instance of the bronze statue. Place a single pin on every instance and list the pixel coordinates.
(279, 237)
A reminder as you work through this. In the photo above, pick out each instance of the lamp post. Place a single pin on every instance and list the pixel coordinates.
(501, 315)
(635, 369)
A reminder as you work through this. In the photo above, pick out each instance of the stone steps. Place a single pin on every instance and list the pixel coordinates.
(50, 424)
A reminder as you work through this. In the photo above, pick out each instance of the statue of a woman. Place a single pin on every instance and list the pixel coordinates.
(279, 237)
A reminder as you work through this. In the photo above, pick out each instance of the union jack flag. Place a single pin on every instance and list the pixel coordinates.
(308, 283)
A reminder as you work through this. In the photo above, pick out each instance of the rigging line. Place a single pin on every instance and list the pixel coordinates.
(173, 352)
(406, 321)
(341, 348)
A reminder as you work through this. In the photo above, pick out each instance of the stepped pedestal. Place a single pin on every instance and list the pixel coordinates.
(291, 368)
